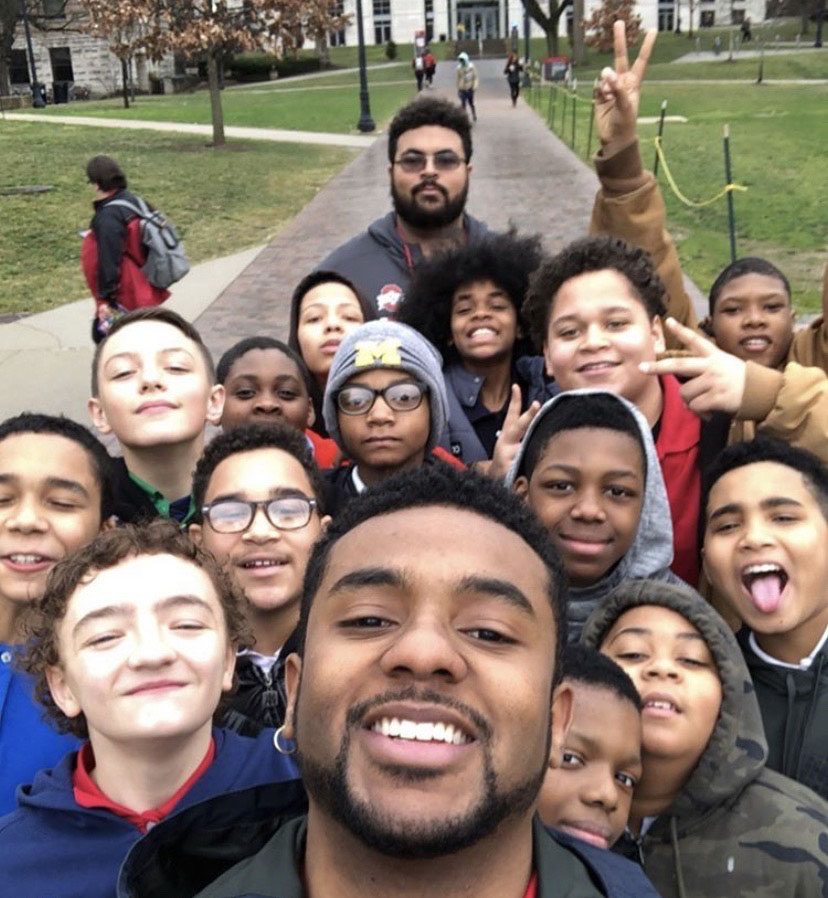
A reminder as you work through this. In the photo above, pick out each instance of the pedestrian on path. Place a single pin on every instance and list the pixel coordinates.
(430, 66)
(111, 253)
(467, 82)
(418, 65)
(513, 70)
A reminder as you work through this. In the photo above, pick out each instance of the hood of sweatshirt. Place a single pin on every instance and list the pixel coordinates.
(737, 750)
(651, 552)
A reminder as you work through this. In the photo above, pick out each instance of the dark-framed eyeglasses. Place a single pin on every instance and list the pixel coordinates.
(236, 515)
(443, 160)
(359, 399)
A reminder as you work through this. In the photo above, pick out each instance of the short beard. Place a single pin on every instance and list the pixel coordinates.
(328, 787)
(423, 219)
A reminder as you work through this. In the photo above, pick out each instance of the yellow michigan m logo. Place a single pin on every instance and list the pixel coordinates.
(385, 352)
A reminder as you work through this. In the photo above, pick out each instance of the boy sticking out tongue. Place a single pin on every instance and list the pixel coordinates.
(766, 555)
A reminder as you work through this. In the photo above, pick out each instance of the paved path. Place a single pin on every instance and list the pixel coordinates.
(522, 175)
(279, 135)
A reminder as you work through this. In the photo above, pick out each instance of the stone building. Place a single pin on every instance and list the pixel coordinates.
(62, 52)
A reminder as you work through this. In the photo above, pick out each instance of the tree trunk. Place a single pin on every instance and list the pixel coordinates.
(125, 80)
(552, 40)
(322, 50)
(578, 46)
(5, 86)
(804, 12)
(820, 22)
(215, 98)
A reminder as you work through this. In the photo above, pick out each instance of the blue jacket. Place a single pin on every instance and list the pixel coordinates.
(27, 742)
(52, 846)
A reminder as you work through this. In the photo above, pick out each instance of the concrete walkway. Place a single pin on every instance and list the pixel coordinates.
(279, 135)
(522, 175)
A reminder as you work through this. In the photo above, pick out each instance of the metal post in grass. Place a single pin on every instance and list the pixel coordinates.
(761, 62)
(37, 93)
(731, 220)
(660, 132)
(550, 105)
(563, 112)
(365, 123)
(589, 131)
(574, 112)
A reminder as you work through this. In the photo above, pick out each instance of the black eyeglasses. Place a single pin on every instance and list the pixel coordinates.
(236, 515)
(359, 399)
(444, 160)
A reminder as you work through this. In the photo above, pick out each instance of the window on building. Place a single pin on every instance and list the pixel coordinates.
(429, 20)
(708, 18)
(54, 9)
(382, 21)
(19, 67)
(666, 16)
(337, 38)
(61, 59)
(737, 16)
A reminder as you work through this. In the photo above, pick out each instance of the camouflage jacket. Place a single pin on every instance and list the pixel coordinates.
(736, 828)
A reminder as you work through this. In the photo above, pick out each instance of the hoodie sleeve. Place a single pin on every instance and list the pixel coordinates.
(629, 205)
(110, 232)
(790, 405)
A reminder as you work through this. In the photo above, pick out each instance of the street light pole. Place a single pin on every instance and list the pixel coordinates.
(37, 96)
(365, 123)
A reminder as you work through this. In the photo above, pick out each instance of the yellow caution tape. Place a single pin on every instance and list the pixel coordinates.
(671, 181)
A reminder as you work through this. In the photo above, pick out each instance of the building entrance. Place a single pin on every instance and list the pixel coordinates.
(480, 21)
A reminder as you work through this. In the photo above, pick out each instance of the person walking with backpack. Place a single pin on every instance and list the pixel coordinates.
(467, 82)
(115, 251)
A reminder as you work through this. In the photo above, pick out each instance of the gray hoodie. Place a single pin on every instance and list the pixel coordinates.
(376, 261)
(651, 553)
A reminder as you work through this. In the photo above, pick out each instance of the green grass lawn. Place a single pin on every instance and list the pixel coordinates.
(778, 139)
(334, 110)
(221, 201)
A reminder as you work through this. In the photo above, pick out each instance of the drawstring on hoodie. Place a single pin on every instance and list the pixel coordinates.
(677, 857)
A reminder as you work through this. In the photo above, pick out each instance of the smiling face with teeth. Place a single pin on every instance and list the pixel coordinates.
(268, 564)
(599, 332)
(766, 553)
(753, 319)
(50, 505)
(422, 714)
(483, 323)
(675, 674)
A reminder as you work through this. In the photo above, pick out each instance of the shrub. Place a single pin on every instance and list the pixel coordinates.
(391, 50)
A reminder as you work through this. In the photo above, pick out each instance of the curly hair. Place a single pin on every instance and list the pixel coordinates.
(248, 438)
(444, 486)
(586, 255)
(430, 111)
(504, 259)
(41, 620)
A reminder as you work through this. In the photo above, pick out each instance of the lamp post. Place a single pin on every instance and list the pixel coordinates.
(37, 94)
(527, 78)
(365, 123)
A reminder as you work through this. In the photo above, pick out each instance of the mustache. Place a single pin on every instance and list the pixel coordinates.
(431, 185)
(357, 713)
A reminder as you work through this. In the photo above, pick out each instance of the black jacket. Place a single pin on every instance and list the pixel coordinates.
(794, 706)
(260, 699)
(109, 226)
(131, 504)
(257, 837)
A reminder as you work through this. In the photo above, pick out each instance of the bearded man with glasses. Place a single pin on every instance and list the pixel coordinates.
(429, 165)
(259, 498)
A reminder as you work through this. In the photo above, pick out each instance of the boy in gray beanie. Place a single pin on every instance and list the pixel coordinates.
(385, 405)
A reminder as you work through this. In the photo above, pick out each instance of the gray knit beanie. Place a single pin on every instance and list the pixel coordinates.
(387, 344)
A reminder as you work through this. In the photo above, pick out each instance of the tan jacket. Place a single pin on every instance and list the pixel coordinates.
(790, 403)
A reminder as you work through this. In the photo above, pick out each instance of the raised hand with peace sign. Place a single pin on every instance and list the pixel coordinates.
(618, 92)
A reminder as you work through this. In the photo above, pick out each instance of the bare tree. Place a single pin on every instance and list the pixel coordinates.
(548, 19)
(204, 28)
